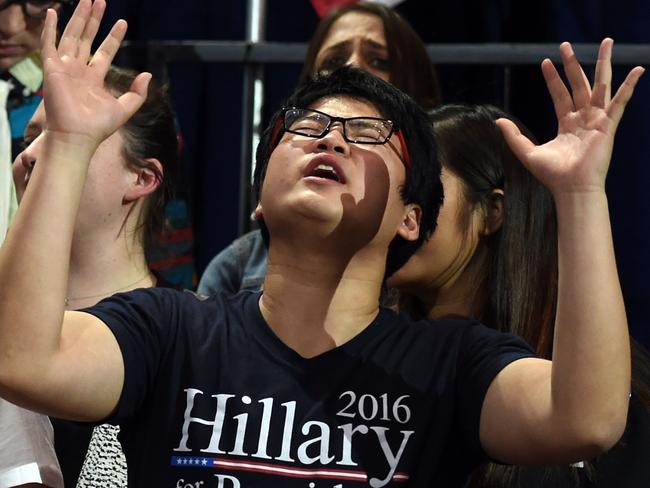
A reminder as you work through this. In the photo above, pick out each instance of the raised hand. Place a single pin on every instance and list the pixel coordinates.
(78, 105)
(578, 158)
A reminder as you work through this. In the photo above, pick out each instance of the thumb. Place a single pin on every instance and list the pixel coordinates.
(520, 145)
(133, 99)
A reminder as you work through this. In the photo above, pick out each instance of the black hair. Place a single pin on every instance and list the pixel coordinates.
(422, 183)
(150, 133)
(518, 285)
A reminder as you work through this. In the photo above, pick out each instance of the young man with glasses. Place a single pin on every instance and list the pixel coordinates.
(311, 383)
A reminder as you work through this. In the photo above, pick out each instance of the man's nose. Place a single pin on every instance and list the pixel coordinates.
(334, 140)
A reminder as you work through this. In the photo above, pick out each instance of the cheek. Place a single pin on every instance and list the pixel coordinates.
(277, 176)
(32, 36)
(107, 182)
(450, 235)
(274, 176)
(445, 242)
(380, 185)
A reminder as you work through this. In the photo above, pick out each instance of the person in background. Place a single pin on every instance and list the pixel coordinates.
(476, 263)
(377, 39)
(493, 257)
(369, 36)
(130, 180)
(21, 23)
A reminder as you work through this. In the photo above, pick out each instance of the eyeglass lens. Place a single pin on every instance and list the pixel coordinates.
(362, 130)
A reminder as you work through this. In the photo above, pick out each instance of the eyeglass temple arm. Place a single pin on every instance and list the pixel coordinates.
(405, 151)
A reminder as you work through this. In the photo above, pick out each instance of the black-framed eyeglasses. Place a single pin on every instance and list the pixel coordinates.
(358, 130)
(35, 9)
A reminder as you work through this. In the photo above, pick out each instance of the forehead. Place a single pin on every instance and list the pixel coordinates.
(355, 25)
(342, 106)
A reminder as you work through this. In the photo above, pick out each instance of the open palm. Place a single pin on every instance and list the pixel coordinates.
(76, 101)
(578, 158)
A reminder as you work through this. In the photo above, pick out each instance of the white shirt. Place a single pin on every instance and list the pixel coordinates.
(26, 448)
(6, 182)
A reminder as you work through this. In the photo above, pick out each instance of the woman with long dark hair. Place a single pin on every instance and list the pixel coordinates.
(494, 257)
(378, 39)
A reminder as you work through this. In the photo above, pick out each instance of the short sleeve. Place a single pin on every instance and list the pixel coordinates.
(143, 323)
(26, 448)
(484, 353)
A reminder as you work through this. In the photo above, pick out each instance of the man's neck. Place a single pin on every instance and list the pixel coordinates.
(315, 302)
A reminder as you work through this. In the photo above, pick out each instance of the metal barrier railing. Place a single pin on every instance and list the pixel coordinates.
(273, 52)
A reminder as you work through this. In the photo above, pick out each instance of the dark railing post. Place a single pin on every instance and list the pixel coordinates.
(253, 99)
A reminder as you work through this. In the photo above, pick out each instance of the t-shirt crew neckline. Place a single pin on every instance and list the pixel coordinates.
(323, 361)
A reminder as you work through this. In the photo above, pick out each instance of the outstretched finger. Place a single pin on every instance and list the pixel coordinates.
(623, 94)
(48, 36)
(602, 91)
(520, 145)
(561, 97)
(104, 55)
(69, 44)
(132, 100)
(577, 78)
(90, 31)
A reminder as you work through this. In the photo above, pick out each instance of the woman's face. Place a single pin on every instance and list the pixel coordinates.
(355, 39)
(441, 260)
(106, 184)
(19, 34)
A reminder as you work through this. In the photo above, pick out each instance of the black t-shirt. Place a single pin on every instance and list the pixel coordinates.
(213, 398)
(71, 439)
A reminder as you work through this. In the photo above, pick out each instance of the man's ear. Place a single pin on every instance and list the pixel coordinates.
(494, 212)
(409, 228)
(145, 180)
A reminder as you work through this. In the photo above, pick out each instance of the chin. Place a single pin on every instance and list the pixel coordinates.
(314, 205)
(8, 62)
(404, 276)
(305, 221)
